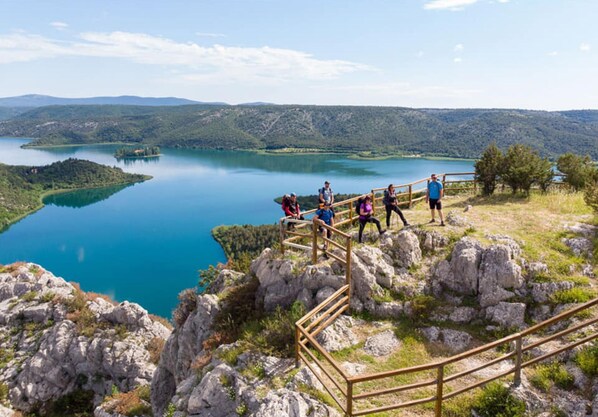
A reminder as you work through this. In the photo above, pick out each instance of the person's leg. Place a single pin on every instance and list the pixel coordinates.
(400, 213)
(388, 213)
(377, 223)
(439, 208)
(361, 226)
(432, 207)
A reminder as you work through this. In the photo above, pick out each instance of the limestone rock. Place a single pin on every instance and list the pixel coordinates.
(339, 335)
(454, 340)
(283, 403)
(431, 240)
(463, 315)
(353, 369)
(381, 344)
(581, 246)
(404, 248)
(541, 292)
(507, 315)
(454, 219)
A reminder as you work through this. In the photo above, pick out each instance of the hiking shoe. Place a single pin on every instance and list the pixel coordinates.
(382, 232)
(432, 221)
(442, 224)
(406, 224)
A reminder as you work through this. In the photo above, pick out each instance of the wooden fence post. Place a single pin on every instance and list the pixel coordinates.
(518, 343)
(410, 195)
(439, 387)
(351, 214)
(282, 236)
(348, 266)
(297, 338)
(314, 245)
(373, 202)
(349, 399)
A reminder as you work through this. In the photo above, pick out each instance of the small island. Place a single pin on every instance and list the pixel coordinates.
(139, 152)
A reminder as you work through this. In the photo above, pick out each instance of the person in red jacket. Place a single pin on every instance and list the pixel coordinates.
(291, 208)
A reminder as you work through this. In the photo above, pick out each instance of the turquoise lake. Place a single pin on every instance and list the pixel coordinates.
(146, 242)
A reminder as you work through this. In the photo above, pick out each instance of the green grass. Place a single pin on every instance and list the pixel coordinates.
(554, 373)
(587, 360)
(573, 295)
(495, 400)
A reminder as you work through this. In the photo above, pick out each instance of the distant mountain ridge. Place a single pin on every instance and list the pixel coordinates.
(373, 131)
(37, 100)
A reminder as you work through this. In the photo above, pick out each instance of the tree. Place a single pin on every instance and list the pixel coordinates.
(523, 167)
(488, 167)
(591, 192)
(577, 169)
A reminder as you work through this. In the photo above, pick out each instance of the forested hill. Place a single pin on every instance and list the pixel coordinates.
(22, 187)
(442, 132)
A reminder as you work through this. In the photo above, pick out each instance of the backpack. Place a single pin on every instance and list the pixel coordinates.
(358, 204)
(386, 200)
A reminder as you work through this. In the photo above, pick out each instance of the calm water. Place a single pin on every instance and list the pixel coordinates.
(146, 242)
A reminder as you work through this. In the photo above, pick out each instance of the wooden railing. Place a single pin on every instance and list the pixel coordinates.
(443, 379)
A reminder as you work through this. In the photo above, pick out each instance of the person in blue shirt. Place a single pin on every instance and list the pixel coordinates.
(325, 215)
(434, 194)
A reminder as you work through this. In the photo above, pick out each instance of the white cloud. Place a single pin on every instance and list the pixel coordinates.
(59, 25)
(503, 1)
(448, 4)
(458, 47)
(585, 47)
(457, 60)
(553, 53)
(420, 54)
(197, 61)
(210, 35)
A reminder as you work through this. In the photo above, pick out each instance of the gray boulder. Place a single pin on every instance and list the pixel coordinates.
(381, 344)
(507, 315)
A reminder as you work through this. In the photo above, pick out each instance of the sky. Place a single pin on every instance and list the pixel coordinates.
(532, 54)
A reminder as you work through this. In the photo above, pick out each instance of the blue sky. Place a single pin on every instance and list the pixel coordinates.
(538, 54)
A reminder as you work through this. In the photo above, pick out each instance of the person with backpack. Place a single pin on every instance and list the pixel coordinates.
(326, 194)
(391, 204)
(291, 208)
(325, 215)
(434, 194)
(365, 215)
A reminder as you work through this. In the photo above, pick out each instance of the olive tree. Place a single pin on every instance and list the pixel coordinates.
(488, 168)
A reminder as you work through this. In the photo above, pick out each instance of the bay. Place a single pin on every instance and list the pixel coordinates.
(146, 242)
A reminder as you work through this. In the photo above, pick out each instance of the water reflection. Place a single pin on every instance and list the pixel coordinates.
(82, 198)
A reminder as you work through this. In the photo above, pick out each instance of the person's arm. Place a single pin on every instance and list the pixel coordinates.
(287, 210)
(362, 210)
(321, 194)
(441, 190)
(298, 210)
(428, 193)
(331, 197)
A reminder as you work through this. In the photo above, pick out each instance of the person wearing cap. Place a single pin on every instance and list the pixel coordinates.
(434, 194)
(326, 194)
(325, 215)
(365, 216)
(291, 208)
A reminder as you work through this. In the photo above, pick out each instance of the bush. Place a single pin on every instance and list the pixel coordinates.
(523, 167)
(155, 347)
(577, 169)
(495, 400)
(132, 403)
(573, 295)
(187, 305)
(587, 360)
(591, 194)
(554, 373)
(488, 168)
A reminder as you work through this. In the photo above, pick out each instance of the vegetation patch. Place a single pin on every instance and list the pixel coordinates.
(132, 403)
(547, 375)
(496, 400)
(587, 360)
(573, 295)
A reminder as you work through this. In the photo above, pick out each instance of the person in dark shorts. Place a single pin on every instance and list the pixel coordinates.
(434, 194)
(365, 216)
(391, 204)
(325, 215)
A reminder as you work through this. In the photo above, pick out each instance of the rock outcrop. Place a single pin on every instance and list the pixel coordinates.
(58, 339)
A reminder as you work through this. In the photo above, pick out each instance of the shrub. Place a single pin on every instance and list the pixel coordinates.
(577, 169)
(591, 194)
(495, 400)
(488, 167)
(3, 393)
(155, 347)
(170, 410)
(552, 373)
(76, 403)
(523, 167)
(132, 403)
(29, 296)
(422, 306)
(587, 360)
(187, 305)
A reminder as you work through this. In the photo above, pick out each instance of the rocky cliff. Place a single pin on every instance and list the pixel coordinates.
(56, 340)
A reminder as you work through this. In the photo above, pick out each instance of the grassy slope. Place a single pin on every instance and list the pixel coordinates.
(22, 189)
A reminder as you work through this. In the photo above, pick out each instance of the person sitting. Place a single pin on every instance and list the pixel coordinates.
(325, 215)
(391, 204)
(365, 216)
(292, 209)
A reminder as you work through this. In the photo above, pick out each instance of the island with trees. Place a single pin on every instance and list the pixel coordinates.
(22, 188)
(137, 152)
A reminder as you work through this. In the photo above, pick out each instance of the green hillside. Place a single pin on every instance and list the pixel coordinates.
(352, 129)
(22, 187)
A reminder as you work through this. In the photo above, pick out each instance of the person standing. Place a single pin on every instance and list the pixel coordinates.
(391, 204)
(365, 216)
(326, 194)
(292, 209)
(434, 194)
(324, 215)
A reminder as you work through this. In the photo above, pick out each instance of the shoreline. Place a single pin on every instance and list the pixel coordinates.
(48, 193)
